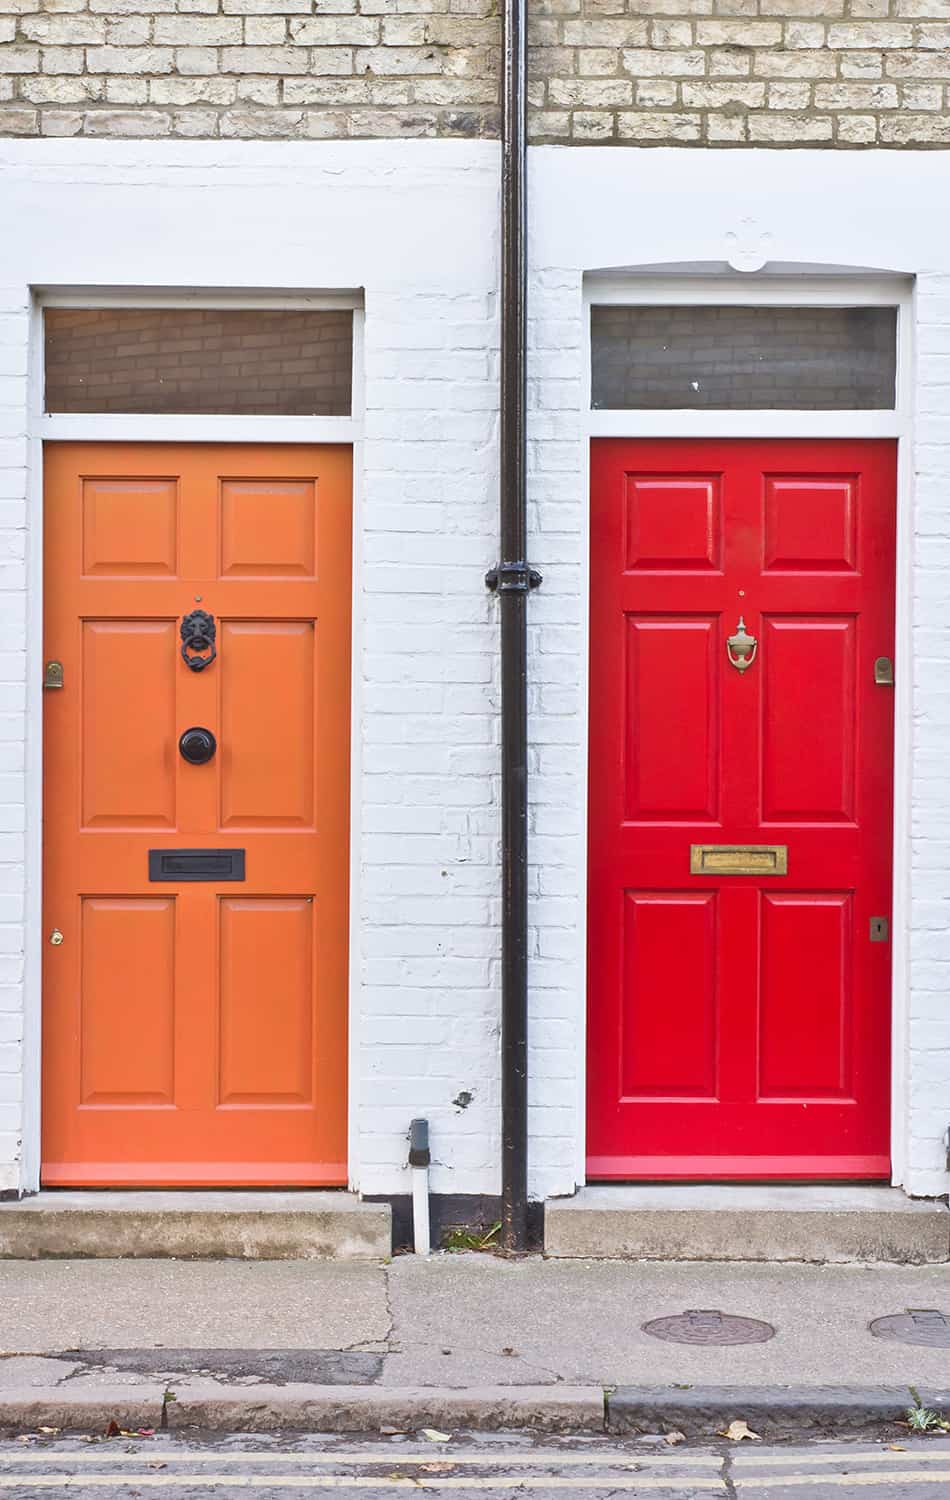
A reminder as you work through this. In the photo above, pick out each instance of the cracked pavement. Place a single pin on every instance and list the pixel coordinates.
(451, 1321)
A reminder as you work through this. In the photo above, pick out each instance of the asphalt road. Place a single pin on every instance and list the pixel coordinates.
(467, 1468)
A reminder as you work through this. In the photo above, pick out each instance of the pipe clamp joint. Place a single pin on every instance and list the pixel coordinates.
(512, 578)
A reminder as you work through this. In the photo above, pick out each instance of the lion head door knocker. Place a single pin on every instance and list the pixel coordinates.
(741, 647)
(197, 639)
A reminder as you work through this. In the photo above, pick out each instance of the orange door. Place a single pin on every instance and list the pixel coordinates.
(195, 1006)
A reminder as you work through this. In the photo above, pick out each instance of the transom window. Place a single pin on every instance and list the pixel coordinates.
(743, 358)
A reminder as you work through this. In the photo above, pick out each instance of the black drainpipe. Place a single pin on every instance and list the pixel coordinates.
(513, 580)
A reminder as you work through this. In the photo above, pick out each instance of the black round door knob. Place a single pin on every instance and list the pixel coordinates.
(197, 745)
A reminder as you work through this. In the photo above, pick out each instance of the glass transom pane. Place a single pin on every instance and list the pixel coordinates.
(176, 360)
(744, 358)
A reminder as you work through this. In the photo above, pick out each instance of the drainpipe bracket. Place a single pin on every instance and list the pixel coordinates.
(512, 578)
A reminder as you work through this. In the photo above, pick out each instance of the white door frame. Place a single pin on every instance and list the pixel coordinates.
(807, 289)
(186, 428)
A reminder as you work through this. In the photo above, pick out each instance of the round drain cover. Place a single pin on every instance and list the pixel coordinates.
(918, 1325)
(709, 1327)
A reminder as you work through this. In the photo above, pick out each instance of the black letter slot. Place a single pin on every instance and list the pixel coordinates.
(196, 864)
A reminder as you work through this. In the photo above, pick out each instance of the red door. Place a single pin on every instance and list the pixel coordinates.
(740, 808)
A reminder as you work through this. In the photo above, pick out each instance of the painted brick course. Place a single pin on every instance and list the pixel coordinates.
(831, 73)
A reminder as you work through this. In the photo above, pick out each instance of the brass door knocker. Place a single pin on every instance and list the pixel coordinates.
(741, 647)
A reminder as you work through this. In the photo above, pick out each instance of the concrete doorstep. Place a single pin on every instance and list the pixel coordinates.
(301, 1225)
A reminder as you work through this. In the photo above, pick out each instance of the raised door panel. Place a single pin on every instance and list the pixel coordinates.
(810, 523)
(805, 994)
(266, 1001)
(671, 707)
(267, 528)
(672, 523)
(809, 719)
(267, 723)
(128, 724)
(127, 1000)
(670, 999)
(129, 528)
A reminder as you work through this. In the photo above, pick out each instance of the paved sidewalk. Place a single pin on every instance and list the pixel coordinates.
(93, 1331)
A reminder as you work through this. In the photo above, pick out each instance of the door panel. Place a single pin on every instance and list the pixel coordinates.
(805, 995)
(127, 1023)
(128, 694)
(673, 523)
(739, 1023)
(670, 1051)
(671, 677)
(266, 948)
(195, 1031)
(267, 680)
(129, 528)
(809, 685)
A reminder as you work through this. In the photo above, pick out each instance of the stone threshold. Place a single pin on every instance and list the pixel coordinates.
(751, 1222)
(201, 1224)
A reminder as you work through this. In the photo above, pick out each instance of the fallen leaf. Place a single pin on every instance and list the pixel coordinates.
(24, 1438)
(896, 1448)
(391, 1431)
(438, 1467)
(674, 1437)
(113, 1429)
(738, 1430)
(50, 1431)
(158, 1465)
(433, 1435)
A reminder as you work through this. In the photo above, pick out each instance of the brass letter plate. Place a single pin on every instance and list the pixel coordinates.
(738, 859)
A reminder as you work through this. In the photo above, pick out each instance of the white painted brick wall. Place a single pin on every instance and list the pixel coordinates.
(416, 227)
(928, 1059)
(610, 209)
(14, 325)
(557, 672)
(415, 223)
(430, 810)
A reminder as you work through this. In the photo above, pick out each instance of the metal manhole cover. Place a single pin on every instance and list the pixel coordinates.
(918, 1325)
(709, 1327)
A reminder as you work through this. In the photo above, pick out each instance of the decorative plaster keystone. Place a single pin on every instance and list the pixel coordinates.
(747, 247)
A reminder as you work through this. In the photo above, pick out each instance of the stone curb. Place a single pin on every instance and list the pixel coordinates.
(772, 1411)
(697, 1411)
(314, 1408)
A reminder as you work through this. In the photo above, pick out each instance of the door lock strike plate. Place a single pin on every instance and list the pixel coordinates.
(884, 671)
(880, 929)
